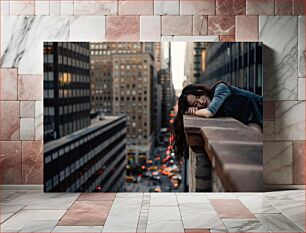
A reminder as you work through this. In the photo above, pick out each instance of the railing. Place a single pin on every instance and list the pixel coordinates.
(224, 155)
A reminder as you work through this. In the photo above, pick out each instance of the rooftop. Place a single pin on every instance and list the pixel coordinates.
(95, 124)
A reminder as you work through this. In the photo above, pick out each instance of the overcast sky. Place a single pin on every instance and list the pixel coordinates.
(177, 62)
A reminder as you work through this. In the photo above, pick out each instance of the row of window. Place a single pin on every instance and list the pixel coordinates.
(107, 110)
(102, 98)
(132, 104)
(64, 174)
(127, 98)
(105, 104)
(72, 108)
(64, 93)
(114, 45)
(132, 76)
(79, 47)
(81, 161)
(76, 78)
(73, 93)
(240, 64)
(131, 66)
(72, 62)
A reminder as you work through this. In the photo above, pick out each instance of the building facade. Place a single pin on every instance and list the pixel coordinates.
(66, 88)
(93, 159)
(124, 81)
(101, 71)
(189, 64)
(239, 64)
(133, 76)
(199, 59)
(168, 96)
(80, 154)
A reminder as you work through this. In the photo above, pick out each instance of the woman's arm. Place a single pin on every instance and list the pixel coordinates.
(204, 113)
(222, 91)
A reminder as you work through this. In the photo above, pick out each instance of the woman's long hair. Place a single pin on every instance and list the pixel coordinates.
(177, 127)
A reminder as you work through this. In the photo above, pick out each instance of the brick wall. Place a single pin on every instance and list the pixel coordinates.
(26, 24)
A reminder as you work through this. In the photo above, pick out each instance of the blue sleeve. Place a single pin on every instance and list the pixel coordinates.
(222, 91)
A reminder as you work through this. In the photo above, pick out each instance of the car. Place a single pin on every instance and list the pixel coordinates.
(155, 177)
(130, 179)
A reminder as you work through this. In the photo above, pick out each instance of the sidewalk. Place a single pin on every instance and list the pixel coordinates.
(35, 211)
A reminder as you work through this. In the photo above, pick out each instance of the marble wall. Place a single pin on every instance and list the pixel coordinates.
(279, 24)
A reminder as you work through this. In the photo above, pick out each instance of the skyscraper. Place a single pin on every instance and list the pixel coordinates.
(80, 154)
(66, 88)
(199, 61)
(123, 81)
(165, 80)
(133, 95)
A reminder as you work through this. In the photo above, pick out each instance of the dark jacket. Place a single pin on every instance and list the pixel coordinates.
(240, 104)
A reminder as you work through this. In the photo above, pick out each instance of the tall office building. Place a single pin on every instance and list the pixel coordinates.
(124, 81)
(168, 96)
(199, 61)
(92, 159)
(80, 154)
(166, 83)
(101, 80)
(66, 88)
(133, 95)
(239, 64)
(189, 64)
(101, 71)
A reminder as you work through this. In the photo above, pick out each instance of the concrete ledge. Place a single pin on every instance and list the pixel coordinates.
(233, 149)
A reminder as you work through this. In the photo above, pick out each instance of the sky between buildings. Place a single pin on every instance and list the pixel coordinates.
(177, 62)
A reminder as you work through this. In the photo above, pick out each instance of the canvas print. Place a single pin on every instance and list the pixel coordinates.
(153, 117)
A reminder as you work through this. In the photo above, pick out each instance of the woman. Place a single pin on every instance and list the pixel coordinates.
(220, 100)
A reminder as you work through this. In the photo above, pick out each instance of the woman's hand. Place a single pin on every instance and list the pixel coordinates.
(204, 113)
(192, 110)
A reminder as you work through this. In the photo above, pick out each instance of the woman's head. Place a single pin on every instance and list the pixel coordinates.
(194, 95)
(200, 101)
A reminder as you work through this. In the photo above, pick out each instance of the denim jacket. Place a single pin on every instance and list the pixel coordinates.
(240, 104)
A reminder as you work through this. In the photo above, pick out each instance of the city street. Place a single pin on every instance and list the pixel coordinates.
(160, 174)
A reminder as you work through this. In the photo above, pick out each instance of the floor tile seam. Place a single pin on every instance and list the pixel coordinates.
(108, 211)
(262, 225)
(220, 215)
(69, 209)
(267, 204)
(141, 214)
(192, 202)
(12, 215)
(254, 211)
(242, 205)
(8, 197)
(279, 209)
(285, 217)
(182, 204)
(298, 204)
(201, 213)
(25, 208)
(292, 220)
(181, 215)
(39, 220)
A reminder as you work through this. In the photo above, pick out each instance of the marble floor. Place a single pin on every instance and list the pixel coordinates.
(30, 210)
